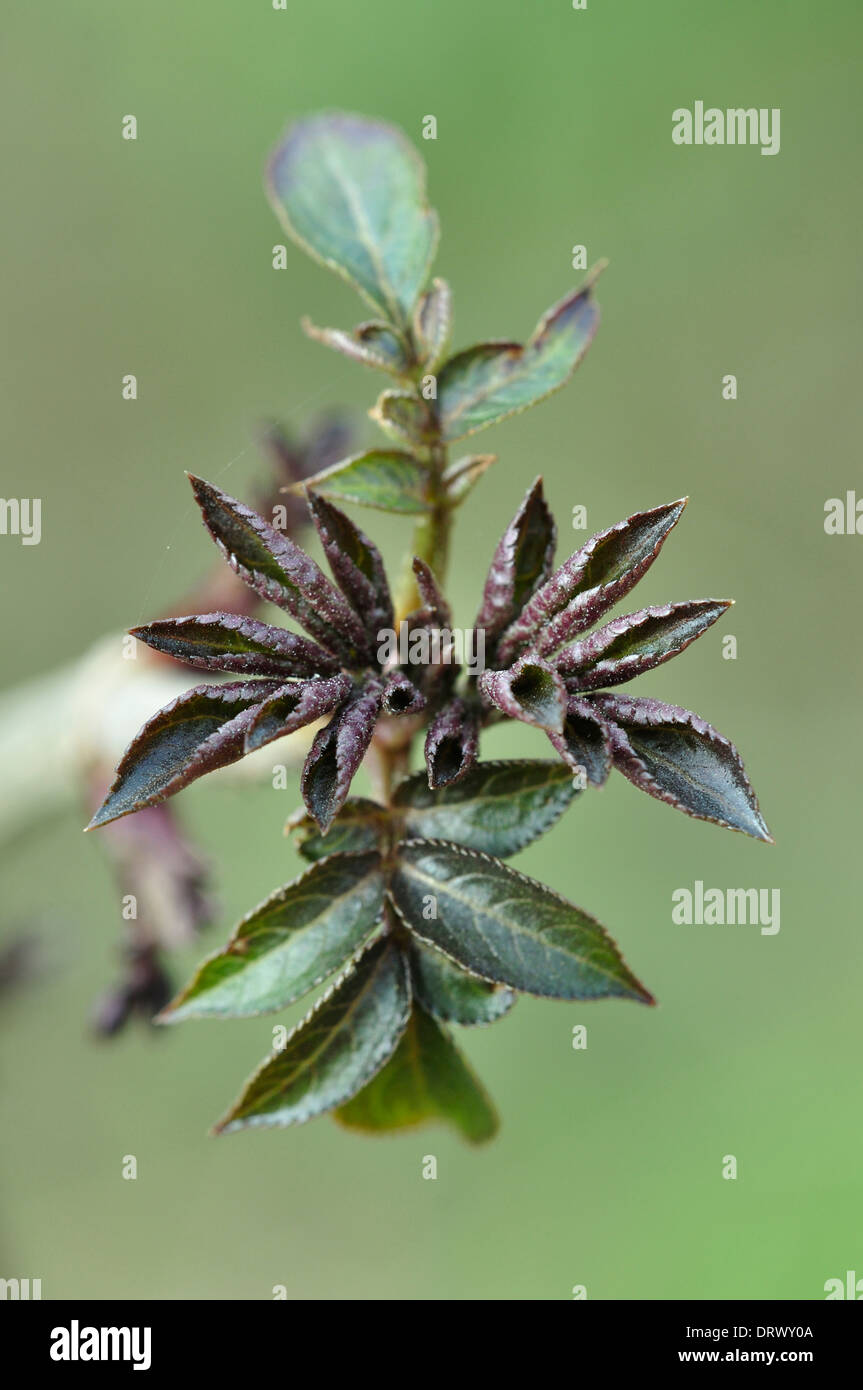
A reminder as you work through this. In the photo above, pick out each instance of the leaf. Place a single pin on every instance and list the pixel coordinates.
(403, 416)
(504, 926)
(486, 383)
(497, 807)
(460, 478)
(198, 732)
(677, 757)
(584, 742)
(451, 743)
(433, 323)
(359, 826)
(531, 691)
(627, 647)
(437, 610)
(228, 642)
(451, 994)
(290, 943)
(401, 696)
(425, 1079)
(590, 582)
(351, 192)
(337, 752)
(335, 1051)
(357, 566)
(387, 479)
(293, 707)
(277, 569)
(522, 560)
(372, 344)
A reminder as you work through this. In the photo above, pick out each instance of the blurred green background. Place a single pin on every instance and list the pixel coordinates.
(154, 257)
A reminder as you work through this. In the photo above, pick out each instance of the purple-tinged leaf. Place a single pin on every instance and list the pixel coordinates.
(294, 707)
(531, 690)
(435, 605)
(433, 323)
(401, 695)
(403, 416)
(522, 561)
(372, 344)
(677, 757)
(451, 743)
(357, 565)
(590, 582)
(628, 646)
(196, 733)
(229, 642)
(584, 743)
(277, 569)
(337, 752)
(460, 478)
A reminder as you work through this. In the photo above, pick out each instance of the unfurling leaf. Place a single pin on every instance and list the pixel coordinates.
(293, 941)
(451, 994)
(425, 1079)
(402, 416)
(401, 696)
(277, 569)
(357, 565)
(338, 751)
(359, 826)
(486, 383)
(504, 926)
(351, 192)
(497, 807)
(335, 1051)
(433, 323)
(590, 582)
(677, 757)
(626, 647)
(295, 706)
(531, 691)
(228, 642)
(436, 608)
(196, 733)
(460, 477)
(523, 560)
(389, 480)
(584, 744)
(451, 743)
(371, 344)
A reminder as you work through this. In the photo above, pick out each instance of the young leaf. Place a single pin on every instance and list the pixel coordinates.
(590, 582)
(677, 757)
(425, 1079)
(497, 807)
(451, 743)
(386, 479)
(351, 192)
(504, 926)
(196, 733)
(295, 706)
(531, 690)
(293, 941)
(451, 994)
(401, 696)
(433, 323)
(488, 382)
(460, 478)
(228, 642)
(371, 344)
(277, 569)
(403, 417)
(357, 565)
(523, 559)
(627, 647)
(359, 826)
(335, 1051)
(437, 610)
(584, 742)
(337, 752)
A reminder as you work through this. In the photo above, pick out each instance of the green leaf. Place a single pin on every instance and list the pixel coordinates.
(433, 323)
(359, 826)
(451, 994)
(505, 926)
(425, 1079)
(293, 941)
(351, 192)
(387, 479)
(461, 477)
(403, 416)
(335, 1051)
(372, 344)
(497, 807)
(485, 383)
